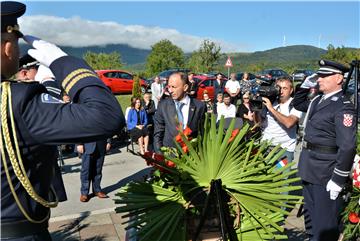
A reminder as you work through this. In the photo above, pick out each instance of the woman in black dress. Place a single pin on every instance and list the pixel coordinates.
(137, 125)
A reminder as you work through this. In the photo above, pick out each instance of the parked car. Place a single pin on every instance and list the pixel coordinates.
(164, 75)
(270, 75)
(205, 83)
(239, 76)
(119, 81)
(301, 74)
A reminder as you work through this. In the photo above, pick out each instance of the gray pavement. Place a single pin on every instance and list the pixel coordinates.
(96, 220)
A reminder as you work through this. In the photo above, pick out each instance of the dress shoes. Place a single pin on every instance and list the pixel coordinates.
(84, 198)
(101, 195)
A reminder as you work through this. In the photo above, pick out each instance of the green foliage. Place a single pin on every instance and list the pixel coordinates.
(206, 58)
(341, 54)
(161, 207)
(136, 91)
(287, 58)
(164, 55)
(103, 60)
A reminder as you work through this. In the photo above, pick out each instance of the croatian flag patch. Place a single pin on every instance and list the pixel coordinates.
(347, 121)
(281, 163)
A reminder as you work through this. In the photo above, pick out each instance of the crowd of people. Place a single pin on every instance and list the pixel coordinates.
(35, 119)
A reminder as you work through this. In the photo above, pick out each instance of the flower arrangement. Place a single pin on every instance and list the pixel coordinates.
(221, 179)
(351, 214)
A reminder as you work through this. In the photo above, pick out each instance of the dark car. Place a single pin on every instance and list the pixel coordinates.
(164, 76)
(271, 75)
(301, 74)
(239, 76)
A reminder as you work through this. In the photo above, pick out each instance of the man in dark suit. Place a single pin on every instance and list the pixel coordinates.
(173, 112)
(92, 160)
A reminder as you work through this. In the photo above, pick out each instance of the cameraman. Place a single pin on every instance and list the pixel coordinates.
(279, 124)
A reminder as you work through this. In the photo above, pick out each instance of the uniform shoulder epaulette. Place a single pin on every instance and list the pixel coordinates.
(345, 99)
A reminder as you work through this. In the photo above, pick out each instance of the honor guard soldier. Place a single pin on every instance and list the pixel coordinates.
(328, 149)
(32, 124)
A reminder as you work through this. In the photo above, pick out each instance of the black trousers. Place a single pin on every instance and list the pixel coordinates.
(322, 215)
(41, 236)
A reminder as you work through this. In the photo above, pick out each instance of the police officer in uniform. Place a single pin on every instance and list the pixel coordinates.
(328, 149)
(32, 124)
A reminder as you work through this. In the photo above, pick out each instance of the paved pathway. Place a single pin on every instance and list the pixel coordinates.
(96, 220)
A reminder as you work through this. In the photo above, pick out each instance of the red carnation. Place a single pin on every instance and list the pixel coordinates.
(353, 218)
(233, 135)
(187, 131)
(170, 164)
(185, 148)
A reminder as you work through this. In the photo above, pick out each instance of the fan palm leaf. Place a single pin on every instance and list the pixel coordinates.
(256, 187)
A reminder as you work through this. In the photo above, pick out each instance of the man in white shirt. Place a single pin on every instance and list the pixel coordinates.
(281, 118)
(232, 87)
(226, 109)
(156, 90)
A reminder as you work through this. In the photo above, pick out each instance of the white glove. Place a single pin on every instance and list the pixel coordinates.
(310, 81)
(44, 52)
(43, 74)
(334, 189)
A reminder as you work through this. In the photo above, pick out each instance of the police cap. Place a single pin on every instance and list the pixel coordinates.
(10, 11)
(26, 62)
(328, 67)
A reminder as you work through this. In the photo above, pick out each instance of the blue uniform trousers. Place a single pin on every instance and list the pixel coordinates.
(91, 172)
(322, 215)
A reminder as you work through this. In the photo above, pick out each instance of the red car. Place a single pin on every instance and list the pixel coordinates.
(205, 83)
(119, 81)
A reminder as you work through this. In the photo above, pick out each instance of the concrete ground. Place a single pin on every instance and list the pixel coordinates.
(96, 220)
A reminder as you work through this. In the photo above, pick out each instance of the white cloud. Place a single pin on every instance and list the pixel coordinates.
(78, 32)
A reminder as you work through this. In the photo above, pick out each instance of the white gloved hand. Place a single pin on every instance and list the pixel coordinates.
(334, 189)
(310, 81)
(44, 52)
(43, 74)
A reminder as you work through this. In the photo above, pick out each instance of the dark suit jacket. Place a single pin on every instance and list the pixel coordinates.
(90, 147)
(165, 121)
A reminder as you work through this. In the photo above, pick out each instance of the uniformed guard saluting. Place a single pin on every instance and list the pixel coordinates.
(32, 124)
(328, 149)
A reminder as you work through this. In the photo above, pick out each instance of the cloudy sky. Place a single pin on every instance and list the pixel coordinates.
(236, 25)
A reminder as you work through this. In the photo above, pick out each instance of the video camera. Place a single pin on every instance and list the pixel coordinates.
(256, 94)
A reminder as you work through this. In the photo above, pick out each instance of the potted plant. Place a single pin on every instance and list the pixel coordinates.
(222, 179)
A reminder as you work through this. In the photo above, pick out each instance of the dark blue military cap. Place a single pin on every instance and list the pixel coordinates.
(10, 11)
(328, 67)
(26, 62)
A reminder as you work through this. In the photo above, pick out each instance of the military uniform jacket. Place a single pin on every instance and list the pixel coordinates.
(42, 122)
(332, 123)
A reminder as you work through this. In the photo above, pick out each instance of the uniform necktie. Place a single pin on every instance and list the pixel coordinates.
(322, 99)
(179, 106)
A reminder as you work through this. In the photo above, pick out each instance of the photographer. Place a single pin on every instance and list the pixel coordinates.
(279, 125)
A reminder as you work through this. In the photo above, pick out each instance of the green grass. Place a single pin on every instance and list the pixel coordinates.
(124, 101)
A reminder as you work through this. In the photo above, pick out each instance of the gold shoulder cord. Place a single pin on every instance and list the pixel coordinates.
(19, 171)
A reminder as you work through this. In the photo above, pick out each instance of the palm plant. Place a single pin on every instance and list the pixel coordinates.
(254, 189)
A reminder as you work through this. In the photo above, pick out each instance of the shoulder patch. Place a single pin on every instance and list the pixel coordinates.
(348, 120)
(48, 99)
(334, 98)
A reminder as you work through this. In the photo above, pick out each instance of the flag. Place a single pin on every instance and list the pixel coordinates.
(281, 163)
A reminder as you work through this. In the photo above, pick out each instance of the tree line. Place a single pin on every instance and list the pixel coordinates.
(165, 55)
